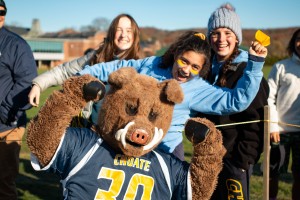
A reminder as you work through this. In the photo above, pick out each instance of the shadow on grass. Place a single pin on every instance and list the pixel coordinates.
(37, 185)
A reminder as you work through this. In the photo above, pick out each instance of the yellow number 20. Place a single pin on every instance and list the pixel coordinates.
(117, 180)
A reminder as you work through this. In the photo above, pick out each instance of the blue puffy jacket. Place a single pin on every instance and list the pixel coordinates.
(17, 69)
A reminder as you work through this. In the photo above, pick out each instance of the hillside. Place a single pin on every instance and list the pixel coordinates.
(154, 39)
(279, 37)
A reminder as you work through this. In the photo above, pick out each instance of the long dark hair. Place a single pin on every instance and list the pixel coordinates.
(107, 48)
(223, 72)
(189, 41)
(291, 46)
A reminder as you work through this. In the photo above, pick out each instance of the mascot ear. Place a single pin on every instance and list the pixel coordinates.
(171, 91)
(121, 76)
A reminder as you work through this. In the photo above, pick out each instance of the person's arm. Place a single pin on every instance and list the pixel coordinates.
(56, 76)
(273, 81)
(60, 73)
(223, 101)
(103, 70)
(24, 70)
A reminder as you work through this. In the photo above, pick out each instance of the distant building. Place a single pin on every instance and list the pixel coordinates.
(52, 49)
(49, 52)
(36, 29)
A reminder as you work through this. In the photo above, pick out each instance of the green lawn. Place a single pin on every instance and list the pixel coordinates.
(38, 185)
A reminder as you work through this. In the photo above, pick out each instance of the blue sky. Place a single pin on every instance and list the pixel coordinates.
(55, 15)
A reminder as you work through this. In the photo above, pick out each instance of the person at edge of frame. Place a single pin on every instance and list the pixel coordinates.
(18, 68)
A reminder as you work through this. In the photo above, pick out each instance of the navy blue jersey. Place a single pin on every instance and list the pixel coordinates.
(90, 169)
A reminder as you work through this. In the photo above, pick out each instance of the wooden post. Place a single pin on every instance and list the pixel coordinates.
(267, 147)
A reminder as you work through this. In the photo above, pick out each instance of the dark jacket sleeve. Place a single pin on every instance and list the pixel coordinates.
(22, 66)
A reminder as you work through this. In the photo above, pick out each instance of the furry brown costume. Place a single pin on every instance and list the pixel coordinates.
(135, 115)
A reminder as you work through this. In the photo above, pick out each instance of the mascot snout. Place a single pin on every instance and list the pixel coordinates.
(140, 136)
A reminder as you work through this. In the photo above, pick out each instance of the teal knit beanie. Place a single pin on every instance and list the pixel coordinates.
(225, 17)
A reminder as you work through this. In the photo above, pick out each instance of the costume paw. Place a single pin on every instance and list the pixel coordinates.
(93, 91)
(196, 131)
(85, 87)
(204, 135)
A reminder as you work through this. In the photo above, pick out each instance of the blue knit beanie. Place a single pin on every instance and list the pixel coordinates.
(2, 3)
(225, 17)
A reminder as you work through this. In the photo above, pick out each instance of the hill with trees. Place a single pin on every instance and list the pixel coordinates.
(158, 40)
(277, 50)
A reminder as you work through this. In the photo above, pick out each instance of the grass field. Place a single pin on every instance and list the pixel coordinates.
(41, 186)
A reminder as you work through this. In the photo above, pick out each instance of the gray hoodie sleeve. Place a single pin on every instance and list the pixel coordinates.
(60, 73)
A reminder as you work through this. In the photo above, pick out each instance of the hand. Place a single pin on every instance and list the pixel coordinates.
(275, 137)
(34, 95)
(257, 49)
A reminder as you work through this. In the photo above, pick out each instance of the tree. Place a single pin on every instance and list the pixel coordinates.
(98, 24)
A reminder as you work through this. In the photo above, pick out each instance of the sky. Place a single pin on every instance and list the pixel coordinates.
(56, 15)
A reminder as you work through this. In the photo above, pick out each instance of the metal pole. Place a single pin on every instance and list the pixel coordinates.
(267, 147)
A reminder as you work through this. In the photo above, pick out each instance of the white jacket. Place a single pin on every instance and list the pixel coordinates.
(60, 73)
(284, 97)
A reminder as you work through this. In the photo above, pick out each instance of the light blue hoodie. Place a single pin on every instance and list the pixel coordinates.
(198, 94)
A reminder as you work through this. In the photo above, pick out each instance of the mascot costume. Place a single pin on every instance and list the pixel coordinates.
(117, 159)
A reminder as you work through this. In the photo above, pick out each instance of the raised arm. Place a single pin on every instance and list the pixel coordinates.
(56, 76)
(103, 70)
(223, 101)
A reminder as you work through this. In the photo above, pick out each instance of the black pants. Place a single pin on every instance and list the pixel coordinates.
(233, 183)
